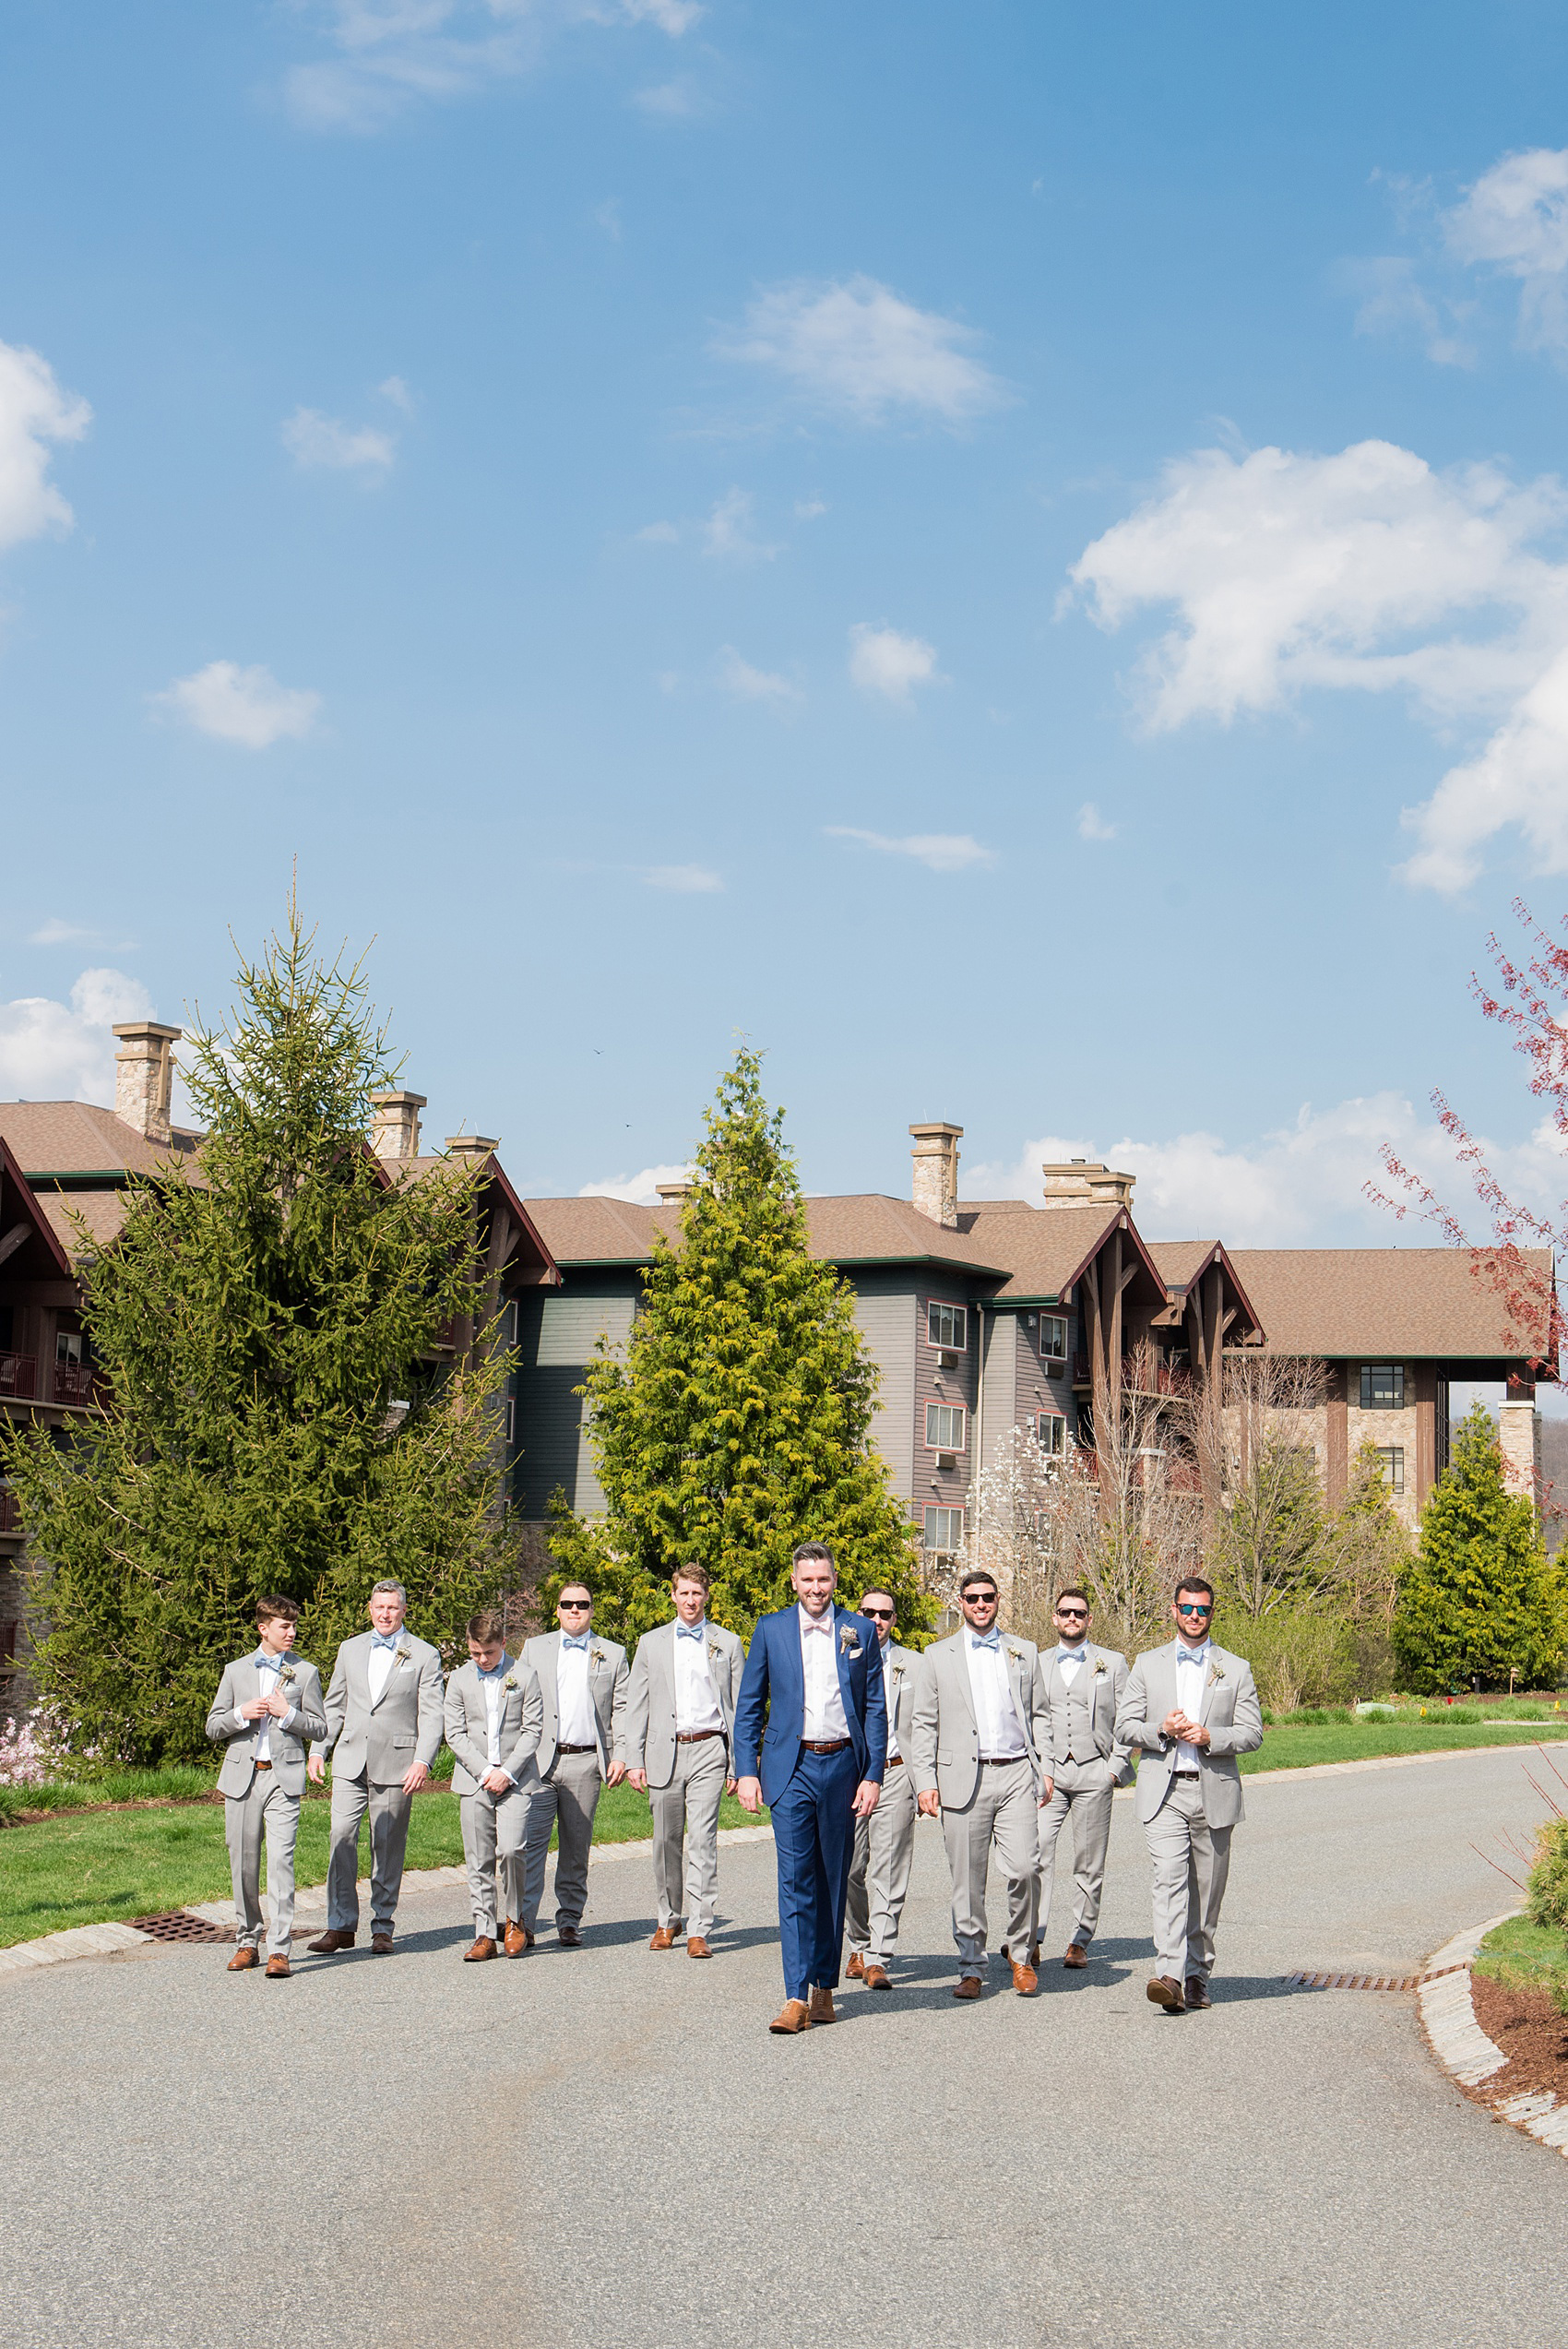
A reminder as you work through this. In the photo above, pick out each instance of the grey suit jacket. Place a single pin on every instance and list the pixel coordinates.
(241, 1683)
(945, 1740)
(520, 1716)
(607, 1688)
(651, 1696)
(1230, 1713)
(1108, 1678)
(382, 1742)
(902, 1683)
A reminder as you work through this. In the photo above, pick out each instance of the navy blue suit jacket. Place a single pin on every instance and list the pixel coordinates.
(773, 1687)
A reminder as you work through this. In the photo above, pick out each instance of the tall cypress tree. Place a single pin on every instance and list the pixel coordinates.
(739, 1422)
(1480, 1596)
(254, 1323)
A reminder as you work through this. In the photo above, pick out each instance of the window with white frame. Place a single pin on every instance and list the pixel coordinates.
(1051, 1429)
(1392, 1459)
(945, 1427)
(944, 1530)
(1053, 1337)
(1383, 1385)
(947, 1326)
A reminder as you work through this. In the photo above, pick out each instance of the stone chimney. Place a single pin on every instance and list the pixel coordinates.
(395, 1130)
(144, 1077)
(471, 1148)
(936, 1172)
(1083, 1182)
(671, 1194)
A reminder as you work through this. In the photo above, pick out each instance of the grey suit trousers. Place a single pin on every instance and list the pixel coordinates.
(493, 1830)
(1083, 1793)
(566, 1801)
(1004, 1812)
(245, 1816)
(689, 1806)
(1190, 1862)
(388, 1807)
(879, 1871)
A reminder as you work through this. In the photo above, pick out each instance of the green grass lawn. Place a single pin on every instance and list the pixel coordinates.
(1292, 1746)
(1525, 1956)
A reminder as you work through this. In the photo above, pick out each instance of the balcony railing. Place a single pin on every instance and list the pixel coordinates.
(75, 1382)
(10, 1515)
(1083, 1375)
(19, 1376)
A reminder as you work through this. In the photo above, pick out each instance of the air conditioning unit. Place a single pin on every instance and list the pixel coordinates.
(945, 1361)
(946, 1459)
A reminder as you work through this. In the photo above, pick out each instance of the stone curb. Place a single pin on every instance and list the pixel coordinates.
(1448, 2017)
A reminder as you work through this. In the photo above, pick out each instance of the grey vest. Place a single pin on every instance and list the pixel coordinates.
(1072, 1729)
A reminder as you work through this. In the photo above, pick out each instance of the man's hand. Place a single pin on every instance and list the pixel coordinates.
(929, 1803)
(729, 1785)
(748, 1794)
(1050, 1790)
(278, 1705)
(495, 1781)
(415, 1778)
(638, 1778)
(315, 1770)
(1171, 1726)
(256, 1706)
(868, 1794)
(1190, 1733)
(615, 1773)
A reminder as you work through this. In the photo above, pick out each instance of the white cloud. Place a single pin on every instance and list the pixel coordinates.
(738, 677)
(881, 660)
(397, 392)
(658, 534)
(942, 852)
(1302, 1185)
(727, 533)
(1092, 825)
(857, 349)
(808, 508)
(638, 1190)
(671, 102)
(685, 880)
(53, 1051)
(244, 706)
(313, 439)
(1391, 300)
(673, 17)
(34, 412)
(57, 933)
(1515, 217)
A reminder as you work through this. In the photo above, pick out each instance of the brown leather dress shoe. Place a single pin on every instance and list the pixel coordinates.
(326, 1944)
(876, 1976)
(1026, 1981)
(1076, 1955)
(856, 1969)
(381, 1945)
(278, 1969)
(792, 2016)
(696, 1947)
(822, 2006)
(484, 1947)
(1197, 1993)
(568, 1937)
(664, 1939)
(243, 1961)
(967, 1986)
(1164, 1991)
(517, 1939)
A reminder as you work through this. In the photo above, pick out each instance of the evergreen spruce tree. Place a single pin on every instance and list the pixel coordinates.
(739, 1422)
(257, 1316)
(1480, 1596)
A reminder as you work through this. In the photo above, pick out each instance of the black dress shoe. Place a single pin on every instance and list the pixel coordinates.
(1165, 1991)
(1197, 1993)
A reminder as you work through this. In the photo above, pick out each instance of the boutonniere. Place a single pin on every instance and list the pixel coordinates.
(898, 1672)
(1099, 1667)
(1016, 1654)
(596, 1655)
(286, 1675)
(714, 1649)
(400, 1655)
(1215, 1676)
(847, 1641)
(510, 1681)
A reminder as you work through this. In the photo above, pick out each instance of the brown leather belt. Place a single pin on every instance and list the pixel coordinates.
(1000, 1761)
(1186, 1774)
(577, 1749)
(261, 1765)
(696, 1736)
(893, 1761)
(823, 1745)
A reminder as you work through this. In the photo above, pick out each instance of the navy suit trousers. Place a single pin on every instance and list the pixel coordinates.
(814, 1835)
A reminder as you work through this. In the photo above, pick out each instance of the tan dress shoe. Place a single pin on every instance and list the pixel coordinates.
(381, 1945)
(1026, 1981)
(278, 1969)
(967, 1986)
(1164, 1991)
(876, 1976)
(568, 1937)
(696, 1947)
(243, 1961)
(822, 2006)
(856, 1969)
(792, 2016)
(1076, 1955)
(664, 1939)
(326, 1944)
(484, 1947)
(1197, 1995)
(517, 1939)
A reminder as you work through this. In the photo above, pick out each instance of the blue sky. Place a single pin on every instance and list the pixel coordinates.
(945, 539)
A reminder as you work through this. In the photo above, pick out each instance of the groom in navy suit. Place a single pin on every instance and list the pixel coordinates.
(814, 1670)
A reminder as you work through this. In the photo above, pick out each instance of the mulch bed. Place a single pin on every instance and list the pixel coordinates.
(1531, 2034)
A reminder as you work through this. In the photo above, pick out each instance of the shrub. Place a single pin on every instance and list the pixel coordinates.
(1549, 1876)
(1480, 1599)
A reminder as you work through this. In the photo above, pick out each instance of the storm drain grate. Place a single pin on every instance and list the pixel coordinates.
(181, 1924)
(1368, 1981)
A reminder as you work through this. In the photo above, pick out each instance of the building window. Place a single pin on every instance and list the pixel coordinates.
(945, 1427)
(948, 1326)
(511, 1418)
(1383, 1385)
(1053, 1337)
(1392, 1459)
(944, 1530)
(69, 1344)
(509, 1323)
(1051, 1429)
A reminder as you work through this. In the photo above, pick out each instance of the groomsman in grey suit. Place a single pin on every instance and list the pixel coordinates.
(1082, 1689)
(581, 1750)
(495, 1716)
(885, 1843)
(977, 1738)
(679, 1728)
(267, 1704)
(383, 1725)
(1191, 1707)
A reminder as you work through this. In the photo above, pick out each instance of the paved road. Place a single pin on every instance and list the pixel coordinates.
(606, 2146)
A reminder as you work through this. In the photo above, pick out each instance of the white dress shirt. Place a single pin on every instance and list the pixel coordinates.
(378, 1671)
(996, 1716)
(492, 1684)
(1070, 1661)
(269, 1672)
(1192, 1673)
(825, 1717)
(696, 1707)
(892, 1753)
(575, 1723)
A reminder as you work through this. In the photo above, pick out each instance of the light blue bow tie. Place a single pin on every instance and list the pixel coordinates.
(1072, 1655)
(574, 1639)
(494, 1672)
(985, 1639)
(264, 1663)
(1189, 1655)
(383, 1639)
(690, 1630)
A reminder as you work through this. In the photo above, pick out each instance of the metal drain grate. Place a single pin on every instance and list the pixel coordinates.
(181, 1924)
(1368, 1981)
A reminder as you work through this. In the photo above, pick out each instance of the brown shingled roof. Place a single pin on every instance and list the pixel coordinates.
(103, 1213)
(858, 1228)
(1045, 1251)
(79, 1137)
(1381, 1302)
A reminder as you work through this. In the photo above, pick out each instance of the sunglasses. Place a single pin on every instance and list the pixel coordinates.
(878, 1614)
(1200, 1609)
(978, 1598)
(1074, 1615)
(572, 1606)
